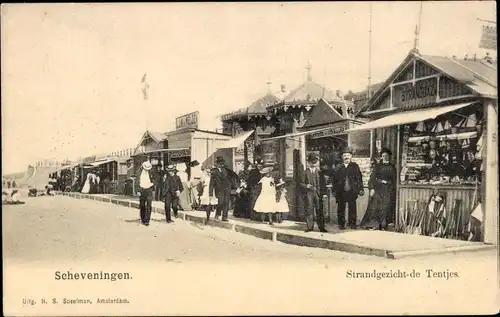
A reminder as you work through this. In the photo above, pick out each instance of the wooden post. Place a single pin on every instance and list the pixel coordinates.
(398, 172)
(490, 165)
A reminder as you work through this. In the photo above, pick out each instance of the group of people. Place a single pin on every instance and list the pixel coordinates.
(259, 193)
(9, 183)
(213, 190)
(96, 182)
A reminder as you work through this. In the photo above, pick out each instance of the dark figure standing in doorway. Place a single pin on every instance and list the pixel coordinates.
(348, 185)
(381, 184)
(310, 184)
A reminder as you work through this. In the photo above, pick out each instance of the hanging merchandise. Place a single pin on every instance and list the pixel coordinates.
(438, 128)
(447, 125)
(420, 127)
(465, 143)
(470, 122)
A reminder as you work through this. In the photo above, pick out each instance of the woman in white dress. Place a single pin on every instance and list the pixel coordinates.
(281, 201)
(207, 203)
(86, 186)
(266, 202)
(184, 201)
(196, 176)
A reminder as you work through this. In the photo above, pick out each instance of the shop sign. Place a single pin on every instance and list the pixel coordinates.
(179, 154)
(330, 132)
(189, 120)
(408, 95)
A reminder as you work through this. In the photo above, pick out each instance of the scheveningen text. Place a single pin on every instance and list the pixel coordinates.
(58, 275)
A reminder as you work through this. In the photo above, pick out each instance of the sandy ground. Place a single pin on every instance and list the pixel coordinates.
(183, 268)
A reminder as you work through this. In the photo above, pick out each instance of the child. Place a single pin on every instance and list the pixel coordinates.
(281, 201)
(266, 202)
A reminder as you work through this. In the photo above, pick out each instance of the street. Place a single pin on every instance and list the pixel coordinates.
(183, 268)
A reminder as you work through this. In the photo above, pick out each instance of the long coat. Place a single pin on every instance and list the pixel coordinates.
(222, 181)
(353, 174)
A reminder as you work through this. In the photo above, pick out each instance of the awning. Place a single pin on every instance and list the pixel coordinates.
(235, 142)
(102, 162)
(159, 151)
(292, 135)
(409, 117)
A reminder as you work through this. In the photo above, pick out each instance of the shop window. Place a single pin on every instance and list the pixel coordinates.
(445, 151)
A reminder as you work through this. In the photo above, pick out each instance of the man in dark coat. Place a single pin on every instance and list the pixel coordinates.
(254, 187)
(172, 188)
(310, 184)
(146, 191)
(348, 185)
(221, 183)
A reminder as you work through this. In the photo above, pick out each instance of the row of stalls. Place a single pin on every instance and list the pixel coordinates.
(437, 115)
(110, 170)
(179, 147)
(290, 125)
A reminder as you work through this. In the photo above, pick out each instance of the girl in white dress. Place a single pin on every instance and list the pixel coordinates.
(281, 201)
(86, 186)
(266, 202)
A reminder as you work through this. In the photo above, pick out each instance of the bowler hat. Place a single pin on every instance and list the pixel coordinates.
(346, 150)
(194, 163)
(266, 170)
(312, 158)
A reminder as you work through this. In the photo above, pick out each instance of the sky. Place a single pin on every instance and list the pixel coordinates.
(71, 73)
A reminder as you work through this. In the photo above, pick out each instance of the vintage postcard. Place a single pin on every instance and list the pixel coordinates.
(245, 158)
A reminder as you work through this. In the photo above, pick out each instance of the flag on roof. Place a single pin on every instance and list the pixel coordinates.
(145, 87)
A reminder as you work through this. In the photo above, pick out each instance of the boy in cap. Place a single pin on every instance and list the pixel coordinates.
(348, 185)
(310, 183)
(172, 190)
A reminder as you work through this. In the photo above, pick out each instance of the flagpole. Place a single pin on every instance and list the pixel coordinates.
(145, 97)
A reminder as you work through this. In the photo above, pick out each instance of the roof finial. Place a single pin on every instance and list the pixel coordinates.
(309, 67)
(417, 29)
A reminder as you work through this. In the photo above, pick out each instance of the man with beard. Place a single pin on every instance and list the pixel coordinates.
(348, 185)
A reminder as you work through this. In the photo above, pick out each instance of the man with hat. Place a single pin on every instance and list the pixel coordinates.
(172, 188)
(221, 182)
(348, 185)
(310, 183)
(146, 192)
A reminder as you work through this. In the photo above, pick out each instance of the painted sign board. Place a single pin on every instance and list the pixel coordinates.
(189, 120)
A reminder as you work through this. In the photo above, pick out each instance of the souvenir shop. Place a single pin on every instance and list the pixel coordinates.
(436, 115)
(324, 134)
(112, 172)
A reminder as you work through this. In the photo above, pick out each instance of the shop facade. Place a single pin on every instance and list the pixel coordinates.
(249, 125)
(438, 117)
(287, 145)
(325, 136)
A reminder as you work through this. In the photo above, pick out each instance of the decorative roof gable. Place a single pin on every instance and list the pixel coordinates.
(323, 113)
(458, 78)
